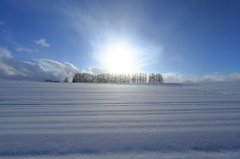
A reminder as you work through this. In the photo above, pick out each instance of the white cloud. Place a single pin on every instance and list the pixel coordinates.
(218, 78)
(176, 78)
(11, 69)
(1, 23)
(96, 70)
(42, 42)
(60, 70)
(5, 53)
(173, 78)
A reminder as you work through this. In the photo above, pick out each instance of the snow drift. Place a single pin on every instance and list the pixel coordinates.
(79, 120)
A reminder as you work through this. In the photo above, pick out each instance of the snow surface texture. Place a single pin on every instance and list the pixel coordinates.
(78, 120)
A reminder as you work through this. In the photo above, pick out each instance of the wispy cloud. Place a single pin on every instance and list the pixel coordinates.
(100, 28)
(19, 49)
(5, 53)
(42, 42)
(1, 23)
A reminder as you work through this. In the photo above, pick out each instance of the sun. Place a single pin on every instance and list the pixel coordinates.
(120, 58)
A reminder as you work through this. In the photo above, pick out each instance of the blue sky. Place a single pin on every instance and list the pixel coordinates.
(187, 39)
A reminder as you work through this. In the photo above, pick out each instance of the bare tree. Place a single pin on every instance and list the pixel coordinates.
(66, 79)
(117, 78)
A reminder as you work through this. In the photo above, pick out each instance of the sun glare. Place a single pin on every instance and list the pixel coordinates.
(120, 58)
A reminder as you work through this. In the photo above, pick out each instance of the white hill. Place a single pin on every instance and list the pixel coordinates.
(80, 120)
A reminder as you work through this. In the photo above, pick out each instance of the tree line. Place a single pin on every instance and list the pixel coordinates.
(118, 78)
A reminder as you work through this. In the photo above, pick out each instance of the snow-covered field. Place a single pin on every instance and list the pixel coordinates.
(109, 121)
